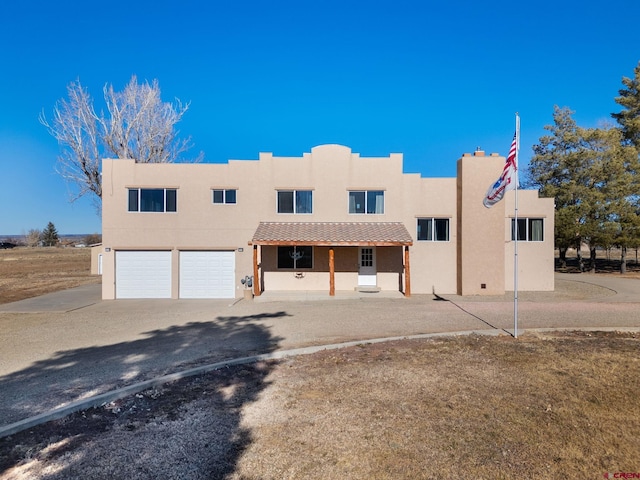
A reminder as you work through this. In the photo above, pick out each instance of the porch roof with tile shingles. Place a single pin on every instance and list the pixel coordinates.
(332, 234)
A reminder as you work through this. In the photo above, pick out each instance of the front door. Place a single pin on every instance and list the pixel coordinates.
(367, 267)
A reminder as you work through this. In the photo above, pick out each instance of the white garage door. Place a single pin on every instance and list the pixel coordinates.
(143, 274)
(207, 274)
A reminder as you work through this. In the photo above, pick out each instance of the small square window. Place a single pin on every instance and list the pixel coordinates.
(224, 196)
(442, 230)
(303, 201)
(218, 196)
(536, 229)
(425, 229)
(356, 202)
(433, 229)
(529, 229)
(285, 202)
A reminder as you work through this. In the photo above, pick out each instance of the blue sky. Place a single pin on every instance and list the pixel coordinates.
(431, 80)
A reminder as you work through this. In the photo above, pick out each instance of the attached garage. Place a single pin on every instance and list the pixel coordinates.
(143, 274)
(207, 274)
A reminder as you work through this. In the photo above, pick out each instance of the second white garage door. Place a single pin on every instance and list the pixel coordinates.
(207, 274)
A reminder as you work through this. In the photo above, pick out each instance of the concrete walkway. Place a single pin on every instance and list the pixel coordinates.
(63, 301)
(69, 347)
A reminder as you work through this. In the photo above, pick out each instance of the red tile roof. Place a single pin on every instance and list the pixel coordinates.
(332, 233)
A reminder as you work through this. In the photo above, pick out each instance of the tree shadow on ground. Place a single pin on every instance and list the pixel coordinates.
(74, 374)
(603, 265)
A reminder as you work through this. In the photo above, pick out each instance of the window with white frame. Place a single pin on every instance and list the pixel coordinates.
(295, 257)
(153, 200)
(433, 229)
(224, 196)
(366, 201)
(295, 201)
(529, 229)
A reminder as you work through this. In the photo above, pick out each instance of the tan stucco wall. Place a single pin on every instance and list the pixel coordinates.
(480, 233)
(535, 259)
(474, 254)
(96, 252)
(433, 264)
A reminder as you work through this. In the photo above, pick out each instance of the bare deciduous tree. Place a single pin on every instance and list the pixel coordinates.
(92, 239)
(137, 125)
(32, 237)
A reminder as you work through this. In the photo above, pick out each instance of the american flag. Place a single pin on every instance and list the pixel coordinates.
(507, 181)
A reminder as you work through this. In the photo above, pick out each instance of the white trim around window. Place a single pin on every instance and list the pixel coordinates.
(366, 202)
(294, 201)
(159, 200)
(433, 229)
(228, 196)
(530, 229)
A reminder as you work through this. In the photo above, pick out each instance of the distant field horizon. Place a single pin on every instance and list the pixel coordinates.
(4, 238)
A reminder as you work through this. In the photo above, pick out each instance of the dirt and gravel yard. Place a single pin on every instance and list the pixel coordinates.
(544, 406)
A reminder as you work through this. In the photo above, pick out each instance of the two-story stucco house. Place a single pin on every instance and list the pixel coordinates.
(327, 221)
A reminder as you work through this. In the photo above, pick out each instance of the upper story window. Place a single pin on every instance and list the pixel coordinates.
(153, 200)
(366, 201)
(433, 229)
(224, 196)
(529, 229)
(295, 201)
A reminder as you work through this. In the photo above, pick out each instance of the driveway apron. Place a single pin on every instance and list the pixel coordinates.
(72, 345)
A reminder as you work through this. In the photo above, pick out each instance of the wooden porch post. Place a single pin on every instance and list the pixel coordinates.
(332, 279)
(256, 277)
(407, 273)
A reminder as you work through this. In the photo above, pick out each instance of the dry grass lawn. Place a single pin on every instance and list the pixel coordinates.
(29, 272)
(545, 407)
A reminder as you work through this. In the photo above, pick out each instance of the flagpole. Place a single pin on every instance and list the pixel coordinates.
(509, 181)
(515, 250)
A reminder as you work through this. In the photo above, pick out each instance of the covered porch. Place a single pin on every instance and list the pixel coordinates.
(331, 256)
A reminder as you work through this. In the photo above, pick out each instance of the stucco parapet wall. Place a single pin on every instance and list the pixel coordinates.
(332, 233)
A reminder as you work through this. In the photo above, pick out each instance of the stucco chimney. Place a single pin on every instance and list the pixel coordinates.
(479, 262)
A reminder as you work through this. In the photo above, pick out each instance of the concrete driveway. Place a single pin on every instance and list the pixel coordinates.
(67, 346)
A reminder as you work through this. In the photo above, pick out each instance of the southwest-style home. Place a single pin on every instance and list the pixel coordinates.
(327, 221)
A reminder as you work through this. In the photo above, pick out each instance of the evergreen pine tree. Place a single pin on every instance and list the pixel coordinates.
(629, 117)
(50, 235)
(562, 168)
